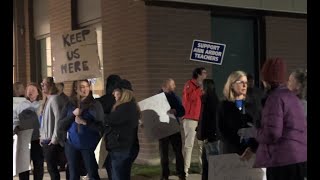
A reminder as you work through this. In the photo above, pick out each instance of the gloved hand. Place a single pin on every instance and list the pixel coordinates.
(247, 132)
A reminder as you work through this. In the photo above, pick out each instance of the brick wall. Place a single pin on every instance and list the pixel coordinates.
(124, 42)
(20, 30)
(124, 51)
(287, 38)
(170, 33)
(60, 22)
(147, 44)
(28, 38)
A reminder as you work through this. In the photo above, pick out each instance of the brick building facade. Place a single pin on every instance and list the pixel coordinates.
(147, 41)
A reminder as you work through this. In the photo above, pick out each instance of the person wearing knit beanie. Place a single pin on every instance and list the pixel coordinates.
(282, 137)
(274, 71)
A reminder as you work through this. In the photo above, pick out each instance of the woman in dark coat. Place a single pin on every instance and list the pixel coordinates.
(121, 133)
(206, 130)
(235, 113)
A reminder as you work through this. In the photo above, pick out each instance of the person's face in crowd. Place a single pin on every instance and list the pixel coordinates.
(32, 93)
(21, 90)
(250, 83)
(117, 94)
(171, 86)
(60, 88)
(45, 86)
(293, 84)
(84, 89)
(203, 75)
(240, 86)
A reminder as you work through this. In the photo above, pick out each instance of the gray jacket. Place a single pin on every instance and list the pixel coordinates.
(25, 116)
(50, 116)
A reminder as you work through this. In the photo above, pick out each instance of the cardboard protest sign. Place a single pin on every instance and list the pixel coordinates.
(101, 153)
(208, 52)
(76, 56)
(230, 167)
(21, 151)
(157, 123)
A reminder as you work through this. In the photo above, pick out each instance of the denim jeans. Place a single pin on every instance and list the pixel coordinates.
(209, 149)
(89, 161)
(119, 163)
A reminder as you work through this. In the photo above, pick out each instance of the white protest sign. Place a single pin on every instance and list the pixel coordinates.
(157, 123)
(159, 104)
(230, 167)
(101, 153)
(17, 101)
(21, 151)
(76, 56)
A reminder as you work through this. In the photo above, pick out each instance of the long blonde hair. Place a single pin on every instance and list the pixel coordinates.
(126, 96)
(228, 92)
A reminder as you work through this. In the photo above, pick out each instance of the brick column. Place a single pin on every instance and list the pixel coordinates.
(60, 22)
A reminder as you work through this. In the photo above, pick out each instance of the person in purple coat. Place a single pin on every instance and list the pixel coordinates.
(282, 136)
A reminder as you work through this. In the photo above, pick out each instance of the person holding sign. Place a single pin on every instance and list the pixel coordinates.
(49, 116)
(25, 117)
(82, 119)
(283, 135)
(177, 110)
(234, 113)
(121, 132)
(206, 130)
(191, 101)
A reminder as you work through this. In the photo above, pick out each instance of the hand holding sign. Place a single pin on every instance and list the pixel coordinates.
(247, 154)
(76, 112)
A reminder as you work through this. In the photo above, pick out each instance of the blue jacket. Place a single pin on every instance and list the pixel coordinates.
(87, 136)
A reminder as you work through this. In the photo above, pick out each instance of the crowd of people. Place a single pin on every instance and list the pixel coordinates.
(269, 122)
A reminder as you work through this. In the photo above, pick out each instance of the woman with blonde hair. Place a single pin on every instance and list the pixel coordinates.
(121, 134)
(235, 113)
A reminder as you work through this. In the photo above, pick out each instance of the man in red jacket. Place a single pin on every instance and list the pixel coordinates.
(191, 101)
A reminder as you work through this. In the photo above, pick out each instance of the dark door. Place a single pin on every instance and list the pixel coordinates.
(241, 54)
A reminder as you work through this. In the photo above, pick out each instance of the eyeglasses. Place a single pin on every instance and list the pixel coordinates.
(241, 82)
(43, 84)
(82, 87)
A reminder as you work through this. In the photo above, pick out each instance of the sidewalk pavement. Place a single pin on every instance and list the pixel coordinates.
(104, 176)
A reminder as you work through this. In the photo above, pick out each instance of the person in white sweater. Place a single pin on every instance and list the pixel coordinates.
(25, 117)
(49, 116)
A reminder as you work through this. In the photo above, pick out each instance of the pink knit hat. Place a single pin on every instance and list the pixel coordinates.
(274, 70)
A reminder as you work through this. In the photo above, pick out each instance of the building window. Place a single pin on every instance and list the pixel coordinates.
(14, 55)
(45, 57)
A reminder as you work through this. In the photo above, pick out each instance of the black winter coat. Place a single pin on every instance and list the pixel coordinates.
(122, 127)
(230, 119)
(206, 129)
